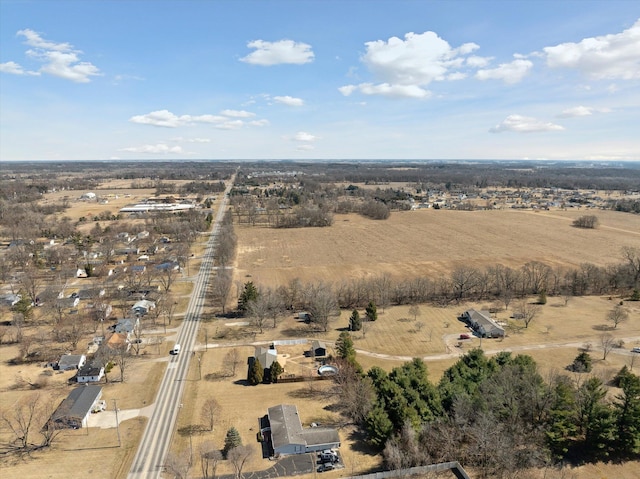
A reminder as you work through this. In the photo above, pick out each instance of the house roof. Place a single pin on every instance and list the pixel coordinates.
(483, 319)
(70, 360)
(286, 428)
(266, 356)
(78, 403)
(90, 370)
(315, 344)
(116, 340)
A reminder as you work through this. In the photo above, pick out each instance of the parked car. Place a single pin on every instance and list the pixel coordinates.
(328, 456)
(464, 336)
(635, 350)
(326, 467)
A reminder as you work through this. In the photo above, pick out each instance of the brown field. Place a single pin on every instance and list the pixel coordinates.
(428, 242)
(407, 244)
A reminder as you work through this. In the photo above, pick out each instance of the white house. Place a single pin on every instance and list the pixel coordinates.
(90, 374)
(71, 361)
(482, 323)
(143, 306)
(74, 411)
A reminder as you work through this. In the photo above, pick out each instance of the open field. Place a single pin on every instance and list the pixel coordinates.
(429, 242)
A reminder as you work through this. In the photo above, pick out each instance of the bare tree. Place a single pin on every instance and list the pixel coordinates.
(414, 310)
(209, 412)
(617, 315)
(167, 276)
(210, 457)
(31, 283)
(122, 358)
(258, 311)
(527, 312)
(356, 393)
(607, 342)
(178, 464)
(238, 456)
(230, 362)
(21, 418)
(464, 279)
(322, 304)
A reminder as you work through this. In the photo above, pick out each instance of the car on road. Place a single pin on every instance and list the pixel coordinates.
(175, 350)
(635, 350)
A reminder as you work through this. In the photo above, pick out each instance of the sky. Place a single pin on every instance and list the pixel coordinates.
(323, 79)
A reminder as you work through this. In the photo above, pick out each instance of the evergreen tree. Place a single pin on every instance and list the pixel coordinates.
(595, 419)
(561, 424)
(249, 293)
(256, 373)
(275, 371)
(379, 426)
(582, 363)
(627, 416)
(344, 347)
(355, 323)
(231, 440)
(371, 311)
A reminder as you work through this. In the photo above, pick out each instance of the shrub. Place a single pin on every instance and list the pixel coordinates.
(587, 221)
(582, 363)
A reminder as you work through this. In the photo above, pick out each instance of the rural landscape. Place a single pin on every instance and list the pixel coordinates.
(437, 319)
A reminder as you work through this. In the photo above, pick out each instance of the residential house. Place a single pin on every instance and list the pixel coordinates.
(11, 299)
(81, 273)
(91, 293)
(74, 411)
(68, 303)
(118, 341)
(90, 373)
(168, 266)
(142, 307)
(126, 325)
(483, 324)
(68, 362)
(289, 437)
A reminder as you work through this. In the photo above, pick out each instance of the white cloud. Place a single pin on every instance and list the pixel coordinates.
(230, 125)
(385, 89)
(180, 139)
(153, 149)
(15, 69)
(523, 124)
(478, 62)
(59, 59)
(261, 122)
(508, 72)
(306, 137)
(167, 119)
(405, 67)
(289, 100)
(276, 53)
(582, 111)
(237, 113)
(613, 56)
(305, 147)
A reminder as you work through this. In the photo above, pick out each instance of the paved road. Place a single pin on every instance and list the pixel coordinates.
(152, 451)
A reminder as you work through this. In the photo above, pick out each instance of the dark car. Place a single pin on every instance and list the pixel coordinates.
(326, 467)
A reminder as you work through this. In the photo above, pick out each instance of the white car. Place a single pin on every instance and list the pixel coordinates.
(635, 350)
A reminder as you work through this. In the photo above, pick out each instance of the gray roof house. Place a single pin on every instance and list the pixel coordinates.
(90, 373)
(266, 356)
(289, 437)
(143, 306)
(74, 411)
(71, 361)
(482, 323)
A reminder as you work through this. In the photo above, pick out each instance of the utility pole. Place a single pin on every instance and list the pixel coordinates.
(115, 407)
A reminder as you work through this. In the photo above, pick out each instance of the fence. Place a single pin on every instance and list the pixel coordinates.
(454, 467)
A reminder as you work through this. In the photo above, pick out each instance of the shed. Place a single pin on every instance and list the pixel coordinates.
(318, 349)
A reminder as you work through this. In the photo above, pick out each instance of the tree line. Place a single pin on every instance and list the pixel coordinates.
(497, 414)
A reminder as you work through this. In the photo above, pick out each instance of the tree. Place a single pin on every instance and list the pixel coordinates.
(249, 293)
(122, 358)
(355, 323)
(371, 312)
(414, 310)
(595, 419)
(582, 363)
(231, 441)
(209, 412)
(275, 371)
(238, 456)
(344, 346)
(256, 373)
(617, 315)
(627, 416)
(230, 362)
(355, 392)
(322, 305)
(587, 221)
(607, 342)
(209, 459)
(378, 425)
(542, 297)
(527, 312)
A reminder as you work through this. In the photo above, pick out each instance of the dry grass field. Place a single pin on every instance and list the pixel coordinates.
(429, 242)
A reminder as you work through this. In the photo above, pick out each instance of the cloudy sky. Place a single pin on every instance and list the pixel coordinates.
(325, 79)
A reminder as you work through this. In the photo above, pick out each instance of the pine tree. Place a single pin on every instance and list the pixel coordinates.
(256, 373)
(231, 440)
(344, 346)
(627, 415)
(249, 293)
(275, 371)
(355, 323)
(371, 311)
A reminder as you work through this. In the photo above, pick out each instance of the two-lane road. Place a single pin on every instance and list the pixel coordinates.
(149, 460)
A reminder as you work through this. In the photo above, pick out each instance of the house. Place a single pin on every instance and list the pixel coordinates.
(143, 235)
(266, 356)
(168, 266)
(74, 411)
(142, 307)
(91, 293)
(318, 349)
(118, 341)
(289, 437)
(89, 196)
(138, 268)
(126, 325)
(68, 303)
(90, 373)
(71, 361)
(11, 299)
(481, 323)
(81, 273)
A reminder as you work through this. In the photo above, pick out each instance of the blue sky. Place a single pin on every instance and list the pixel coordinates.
(85, 80)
